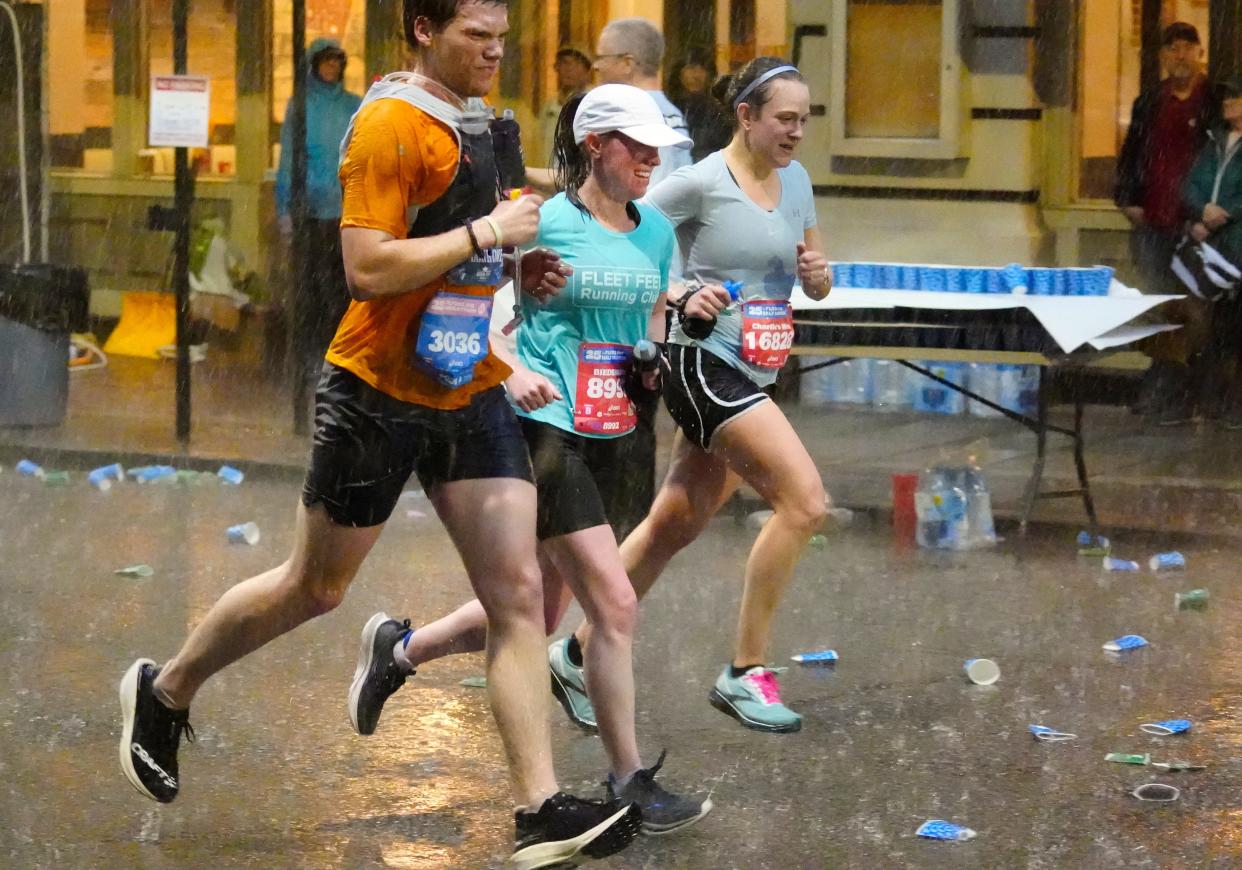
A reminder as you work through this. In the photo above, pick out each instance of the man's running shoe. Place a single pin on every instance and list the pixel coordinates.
(567, 829)
(150, 734)
(754, 699)
(378, 675)
(663, 811)
(569, 686)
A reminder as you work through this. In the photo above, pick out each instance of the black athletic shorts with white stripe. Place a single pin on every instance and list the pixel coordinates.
(703, 392)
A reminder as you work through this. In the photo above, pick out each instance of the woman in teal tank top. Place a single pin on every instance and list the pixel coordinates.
(571, 385)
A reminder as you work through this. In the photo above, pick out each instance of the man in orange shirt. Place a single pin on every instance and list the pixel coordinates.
(410, 386)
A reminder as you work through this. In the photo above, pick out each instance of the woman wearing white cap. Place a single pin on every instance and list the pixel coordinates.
(744, 214)
(569, 385)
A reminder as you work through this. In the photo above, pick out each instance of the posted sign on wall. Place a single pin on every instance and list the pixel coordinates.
(180, 111)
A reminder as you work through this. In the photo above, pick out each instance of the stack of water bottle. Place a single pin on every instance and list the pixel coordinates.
(954, 509)
(889, 386)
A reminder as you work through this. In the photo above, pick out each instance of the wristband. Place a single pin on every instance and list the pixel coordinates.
(500, 238)
(474, 240)
(679, 306)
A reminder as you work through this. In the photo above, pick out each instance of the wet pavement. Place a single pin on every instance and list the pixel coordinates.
(894, 734)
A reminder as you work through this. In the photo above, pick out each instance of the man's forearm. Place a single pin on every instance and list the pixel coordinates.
(378, 265)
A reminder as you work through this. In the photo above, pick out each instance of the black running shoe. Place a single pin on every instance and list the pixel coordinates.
(569, 830)
(663, 811)
(150, 734)
(378, 675)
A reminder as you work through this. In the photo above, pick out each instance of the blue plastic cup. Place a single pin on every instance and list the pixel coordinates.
(1100, 280)
(864, 276)
(890, 276)
(1076, 282)
(1167, 728)
(103, 477)
(231, 475)
(1014, 279)
(994, 281)
(244, 533)
(28, 468)
(1039, 281)
(939, 829)
(841, 276)
(976, 280)
(1167, 561)
(931, 279)
(1126, 642)
(953, 281)
(909, 277)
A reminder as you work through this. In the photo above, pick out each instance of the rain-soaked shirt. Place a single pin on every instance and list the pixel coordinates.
(617, 279)
(399, 158)
(723, 235)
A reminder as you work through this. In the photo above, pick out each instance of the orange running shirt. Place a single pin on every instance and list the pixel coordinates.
(399, 157)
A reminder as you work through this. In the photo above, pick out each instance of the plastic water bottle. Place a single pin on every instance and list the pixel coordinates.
(941, 510)
(982, 530)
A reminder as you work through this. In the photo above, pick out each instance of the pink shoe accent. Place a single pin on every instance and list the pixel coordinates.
(764, 682)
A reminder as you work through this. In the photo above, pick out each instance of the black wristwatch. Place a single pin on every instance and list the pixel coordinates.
(679, 306)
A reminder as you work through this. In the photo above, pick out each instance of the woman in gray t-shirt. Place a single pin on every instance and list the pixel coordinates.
(744, 214)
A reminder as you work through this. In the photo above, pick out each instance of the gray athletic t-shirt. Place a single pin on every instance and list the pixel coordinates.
(672, 157)
(723, 235)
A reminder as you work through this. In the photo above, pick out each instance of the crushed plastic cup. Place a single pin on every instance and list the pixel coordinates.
(822, 656)
(28, 468)
(103, 477)
(817, 542)
(939, 829)
(982, 672)
(1178, 766)
(1113, 564)
(1195, 599)
(135, 571)
(153, 473)
(1050, 735)
(244, 533)
(474, 682)
(56, 478)
(1093, 545)
(1167, 728)
(1173, 561)
(230, 475)
(1157, 791)
(1125, 642)
(1139, 758)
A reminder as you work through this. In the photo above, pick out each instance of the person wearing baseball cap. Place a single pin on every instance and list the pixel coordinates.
(574, 389)
(1168, 128)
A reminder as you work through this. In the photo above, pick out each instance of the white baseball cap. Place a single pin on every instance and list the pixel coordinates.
(628, 110)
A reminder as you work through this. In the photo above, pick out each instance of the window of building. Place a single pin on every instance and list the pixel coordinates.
(1112, 53)
(342, 20)
(888, 103)
(80, 101)
(212, 52)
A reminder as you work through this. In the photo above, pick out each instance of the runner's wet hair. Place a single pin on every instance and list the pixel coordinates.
(438, 12)
(729, 88)
(572, 166)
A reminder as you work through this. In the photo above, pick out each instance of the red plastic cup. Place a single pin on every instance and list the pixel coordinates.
(904, 517)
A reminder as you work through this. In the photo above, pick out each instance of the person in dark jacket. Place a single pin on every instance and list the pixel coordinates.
(1213, 199)
(1168, 127)
(689, 88)
(320, 296)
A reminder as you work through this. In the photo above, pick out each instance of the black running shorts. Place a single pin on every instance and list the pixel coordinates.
(581, 482)
(367, 443)
(703, 392)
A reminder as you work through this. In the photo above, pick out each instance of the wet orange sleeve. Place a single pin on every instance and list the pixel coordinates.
(398, 158)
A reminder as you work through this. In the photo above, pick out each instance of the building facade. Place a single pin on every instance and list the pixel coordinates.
(953, 131)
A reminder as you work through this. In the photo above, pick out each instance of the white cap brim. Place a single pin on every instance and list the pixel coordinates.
(657, 136)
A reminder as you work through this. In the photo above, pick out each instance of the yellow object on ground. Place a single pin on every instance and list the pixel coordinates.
(148, 321)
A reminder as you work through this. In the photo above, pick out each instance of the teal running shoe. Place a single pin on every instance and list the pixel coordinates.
(754, 699)
(569, 686)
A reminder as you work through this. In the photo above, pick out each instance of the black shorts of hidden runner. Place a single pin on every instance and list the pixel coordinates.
(367, 444)
(703, 392)
(585, 482)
